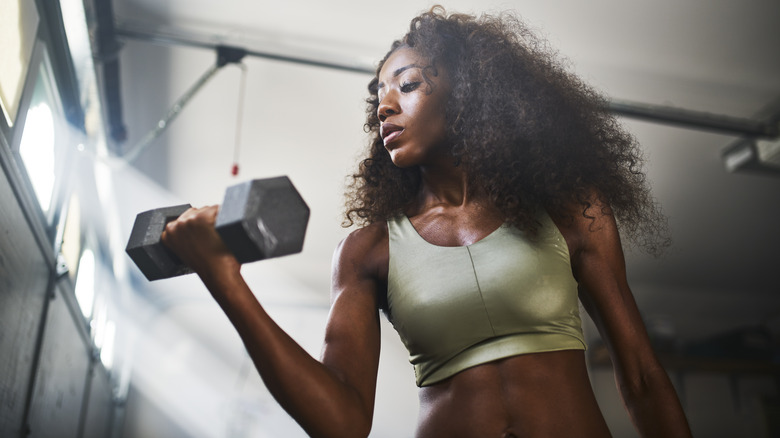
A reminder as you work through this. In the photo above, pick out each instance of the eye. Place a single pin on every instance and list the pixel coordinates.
(407, 87)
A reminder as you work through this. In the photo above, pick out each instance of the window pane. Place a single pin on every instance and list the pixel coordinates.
(85, 283)
(41, 134)
(37, 151)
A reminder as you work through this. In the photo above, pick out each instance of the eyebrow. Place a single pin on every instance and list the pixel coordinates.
(398, 72)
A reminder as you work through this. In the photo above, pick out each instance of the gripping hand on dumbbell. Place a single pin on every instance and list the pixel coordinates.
(192, 237)
(257, 220)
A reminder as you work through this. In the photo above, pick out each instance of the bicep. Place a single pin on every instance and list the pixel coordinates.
(352, 338)
(600, 269)
(352, 334)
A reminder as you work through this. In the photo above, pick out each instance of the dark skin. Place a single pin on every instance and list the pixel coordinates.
(532, 395)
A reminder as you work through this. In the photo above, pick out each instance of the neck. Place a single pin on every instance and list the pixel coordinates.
(445, 186)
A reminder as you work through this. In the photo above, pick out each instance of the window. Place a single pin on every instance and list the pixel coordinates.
(44, 137)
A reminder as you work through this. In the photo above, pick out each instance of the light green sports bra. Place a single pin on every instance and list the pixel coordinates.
(458, 307)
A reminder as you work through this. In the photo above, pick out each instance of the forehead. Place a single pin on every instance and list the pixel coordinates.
(402, 58)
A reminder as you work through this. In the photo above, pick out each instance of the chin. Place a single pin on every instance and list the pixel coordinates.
(402, 160)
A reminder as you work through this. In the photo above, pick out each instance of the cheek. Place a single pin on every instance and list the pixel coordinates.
(431, 114)
(437, 123)
(438, 111)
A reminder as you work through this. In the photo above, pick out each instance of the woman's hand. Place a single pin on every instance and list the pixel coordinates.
(193, 238)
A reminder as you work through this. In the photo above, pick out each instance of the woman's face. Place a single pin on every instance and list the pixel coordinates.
(412, 110)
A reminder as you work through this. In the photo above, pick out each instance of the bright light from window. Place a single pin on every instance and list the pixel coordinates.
(98, 323)
(107, 350)
(71, 235)
(37, 151)
(104, 331)
(85, 283)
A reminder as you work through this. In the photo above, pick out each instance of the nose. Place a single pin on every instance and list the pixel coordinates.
(387, 107)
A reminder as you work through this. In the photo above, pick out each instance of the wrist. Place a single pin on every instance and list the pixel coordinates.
(220, 274)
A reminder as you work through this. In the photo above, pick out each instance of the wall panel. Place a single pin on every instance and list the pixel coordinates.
(100, 405)
(60, 382)
(24, 279)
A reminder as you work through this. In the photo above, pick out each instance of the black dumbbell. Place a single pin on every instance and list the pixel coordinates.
(257, 220)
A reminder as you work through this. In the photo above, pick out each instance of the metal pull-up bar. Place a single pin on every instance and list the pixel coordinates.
(739, 127)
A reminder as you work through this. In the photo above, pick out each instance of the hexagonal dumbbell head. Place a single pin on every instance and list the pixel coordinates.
(145, 246)
(263, 218)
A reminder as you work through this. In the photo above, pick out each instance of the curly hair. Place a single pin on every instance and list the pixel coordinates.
(530, 132)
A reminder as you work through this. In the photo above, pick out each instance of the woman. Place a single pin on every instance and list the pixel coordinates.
(489, 203)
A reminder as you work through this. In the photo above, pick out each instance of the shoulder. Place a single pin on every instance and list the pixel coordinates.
(590, 228)
(363, 241)
(363, 254)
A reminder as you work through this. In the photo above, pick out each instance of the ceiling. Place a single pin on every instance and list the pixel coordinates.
(306, 122)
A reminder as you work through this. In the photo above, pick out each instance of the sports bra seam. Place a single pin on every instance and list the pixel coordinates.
(479, 289)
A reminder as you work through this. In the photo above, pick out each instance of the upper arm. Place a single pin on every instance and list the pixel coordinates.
(599, 266)
(352, 334)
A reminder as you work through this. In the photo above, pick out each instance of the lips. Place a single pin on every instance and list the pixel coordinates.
(390, 132)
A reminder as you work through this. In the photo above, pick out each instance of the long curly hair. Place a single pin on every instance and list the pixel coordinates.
(530, 132)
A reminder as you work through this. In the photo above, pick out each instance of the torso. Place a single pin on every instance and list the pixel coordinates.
(525, 396)
(533, 395)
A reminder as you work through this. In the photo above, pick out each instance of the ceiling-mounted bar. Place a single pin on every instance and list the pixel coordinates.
(739, 127)
(182, 41)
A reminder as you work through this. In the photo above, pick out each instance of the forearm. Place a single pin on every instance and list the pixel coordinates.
(311, 393)
(654, 406)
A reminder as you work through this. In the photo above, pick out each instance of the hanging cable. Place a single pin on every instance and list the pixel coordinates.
(239, 119)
